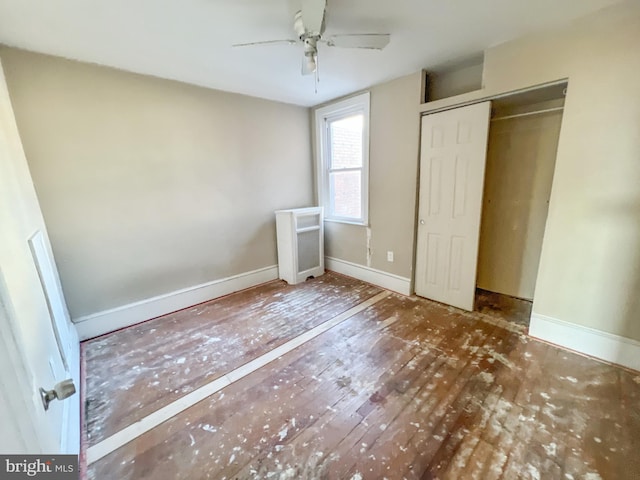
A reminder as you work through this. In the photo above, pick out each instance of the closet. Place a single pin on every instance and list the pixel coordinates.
(521, 157)
(482, 210)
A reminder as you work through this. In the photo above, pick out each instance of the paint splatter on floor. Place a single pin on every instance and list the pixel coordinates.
(437, 393)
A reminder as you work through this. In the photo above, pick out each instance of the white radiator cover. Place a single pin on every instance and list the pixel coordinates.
(300, 234)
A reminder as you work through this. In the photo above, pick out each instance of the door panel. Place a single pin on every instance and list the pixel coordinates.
(460, 187)
(435, 193)
(456, 267)
(15, 389)
(452, 164)
(31, 352)
(54, 296)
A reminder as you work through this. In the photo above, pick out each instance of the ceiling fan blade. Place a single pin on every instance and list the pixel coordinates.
(373, 41)
(309, 65)
(313, 15)
(267, 42)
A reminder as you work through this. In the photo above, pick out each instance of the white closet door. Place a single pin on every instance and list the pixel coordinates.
(32, 351)
(452, 164)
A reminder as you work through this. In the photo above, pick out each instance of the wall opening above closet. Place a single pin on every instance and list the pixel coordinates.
(451, 79)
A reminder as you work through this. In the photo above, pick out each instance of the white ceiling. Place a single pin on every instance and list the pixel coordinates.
(190, 40)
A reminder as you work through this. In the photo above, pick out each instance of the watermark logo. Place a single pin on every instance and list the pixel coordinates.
(50, 467)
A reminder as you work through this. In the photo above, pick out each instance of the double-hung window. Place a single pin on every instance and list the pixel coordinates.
(342, 140)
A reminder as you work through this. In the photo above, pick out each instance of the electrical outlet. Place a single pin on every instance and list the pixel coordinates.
(389, 256)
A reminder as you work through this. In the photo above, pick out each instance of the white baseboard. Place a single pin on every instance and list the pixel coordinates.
(99, 323)
(605, 346)
(370, 275)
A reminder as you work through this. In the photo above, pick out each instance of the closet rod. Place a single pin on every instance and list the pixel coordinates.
(526, 114)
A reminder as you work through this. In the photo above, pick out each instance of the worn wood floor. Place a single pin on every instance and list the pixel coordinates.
(407, 388)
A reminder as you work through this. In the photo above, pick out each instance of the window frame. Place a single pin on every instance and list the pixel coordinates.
(323, 116)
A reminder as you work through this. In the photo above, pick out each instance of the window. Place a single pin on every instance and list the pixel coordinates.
(342, 139)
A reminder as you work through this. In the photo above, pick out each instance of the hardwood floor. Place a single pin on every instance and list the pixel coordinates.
(406, 388)
(516, 310)
(137, 370)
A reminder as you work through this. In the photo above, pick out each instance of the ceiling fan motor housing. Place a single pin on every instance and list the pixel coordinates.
(310, 47)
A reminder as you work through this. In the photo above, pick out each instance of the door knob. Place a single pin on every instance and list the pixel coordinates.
(61, 390)
(421, 222)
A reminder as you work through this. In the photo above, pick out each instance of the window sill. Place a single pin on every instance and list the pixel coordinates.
(348, 222)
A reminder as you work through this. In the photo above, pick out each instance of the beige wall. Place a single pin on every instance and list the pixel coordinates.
(520, 162)
(589, 271)
(393, 166)
(149, 186)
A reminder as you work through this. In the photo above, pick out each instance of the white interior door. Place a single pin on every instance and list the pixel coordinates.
(452, 164)
(38, 344)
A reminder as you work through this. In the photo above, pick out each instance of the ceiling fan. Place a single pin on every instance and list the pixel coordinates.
(309, 25)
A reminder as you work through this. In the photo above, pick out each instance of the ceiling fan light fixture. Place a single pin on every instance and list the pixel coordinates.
(311, 63)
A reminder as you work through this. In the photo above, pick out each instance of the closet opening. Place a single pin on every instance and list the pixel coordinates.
(521, 154)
